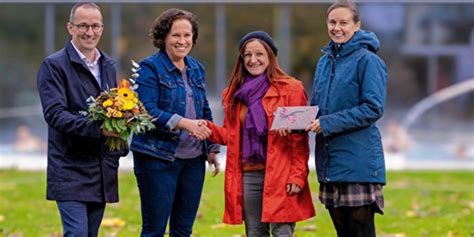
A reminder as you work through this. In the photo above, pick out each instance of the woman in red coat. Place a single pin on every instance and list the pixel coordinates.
(266, 183)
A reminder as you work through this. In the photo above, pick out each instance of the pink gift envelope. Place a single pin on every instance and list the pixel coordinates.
(294, 117)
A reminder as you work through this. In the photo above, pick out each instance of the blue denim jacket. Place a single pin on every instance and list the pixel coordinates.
(162, 90)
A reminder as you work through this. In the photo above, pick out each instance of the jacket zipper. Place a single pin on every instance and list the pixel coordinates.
(326, 144)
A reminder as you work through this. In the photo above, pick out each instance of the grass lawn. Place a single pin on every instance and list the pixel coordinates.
(417, 203)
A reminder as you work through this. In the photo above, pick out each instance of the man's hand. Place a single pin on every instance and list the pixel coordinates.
(110, 133)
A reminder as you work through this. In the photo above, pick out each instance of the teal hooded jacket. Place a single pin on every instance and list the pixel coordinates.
(350, 89)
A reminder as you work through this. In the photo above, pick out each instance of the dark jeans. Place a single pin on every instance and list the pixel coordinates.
(252, 201)
(168, 190)
(353, 221)
(80, 219)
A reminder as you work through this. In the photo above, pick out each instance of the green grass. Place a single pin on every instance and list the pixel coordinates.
(417, 203)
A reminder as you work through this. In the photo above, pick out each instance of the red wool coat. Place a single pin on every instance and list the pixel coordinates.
(287, 161)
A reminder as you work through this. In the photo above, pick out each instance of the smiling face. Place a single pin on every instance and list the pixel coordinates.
(86, 41)
(341, 25)
(255, 57)
(179, 40)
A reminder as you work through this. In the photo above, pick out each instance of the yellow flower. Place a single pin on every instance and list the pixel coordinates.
(107, 103)
(118, 103)
(135, 97)
(127, 98)
(124, 104)
(126, 93)
(128, 105)
(110, 112)
(118, 114)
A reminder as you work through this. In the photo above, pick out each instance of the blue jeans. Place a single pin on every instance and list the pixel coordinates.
(80, 219)
(168, 190)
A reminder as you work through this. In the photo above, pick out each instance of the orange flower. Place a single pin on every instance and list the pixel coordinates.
(124, 84)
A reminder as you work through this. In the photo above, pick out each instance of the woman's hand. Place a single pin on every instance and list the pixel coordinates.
(282, 131)
(292, 189)
(314, 127)
(196, 128)
(212, 161)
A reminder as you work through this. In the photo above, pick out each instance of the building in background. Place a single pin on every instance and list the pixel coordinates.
(427, 47)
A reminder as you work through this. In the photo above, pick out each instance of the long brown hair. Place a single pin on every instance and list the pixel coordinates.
(239, 72)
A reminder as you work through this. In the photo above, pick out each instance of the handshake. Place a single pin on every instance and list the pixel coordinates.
(196, 128)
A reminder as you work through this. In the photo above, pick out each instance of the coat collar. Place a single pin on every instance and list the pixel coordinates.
(105, 64)
(191, 64)
(74, 57)
(277, 87)
(360, 39)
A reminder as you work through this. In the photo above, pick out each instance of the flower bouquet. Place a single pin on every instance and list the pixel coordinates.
(121, 112)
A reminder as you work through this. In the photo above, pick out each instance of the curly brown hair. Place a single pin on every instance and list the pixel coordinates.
(163, 23)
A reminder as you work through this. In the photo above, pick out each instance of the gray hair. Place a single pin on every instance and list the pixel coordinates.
(82, 4)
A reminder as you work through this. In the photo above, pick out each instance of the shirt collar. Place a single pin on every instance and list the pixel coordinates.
(83, 57)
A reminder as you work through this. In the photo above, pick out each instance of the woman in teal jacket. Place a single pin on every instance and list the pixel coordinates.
(349, 88)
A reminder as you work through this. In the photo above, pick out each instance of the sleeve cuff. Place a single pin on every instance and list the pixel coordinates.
(173, 122)
(215, 148)
(323, 125)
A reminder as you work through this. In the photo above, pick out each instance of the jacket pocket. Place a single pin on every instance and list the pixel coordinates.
(82, 147)
(376, 161)
(199, 92)
(167, 92)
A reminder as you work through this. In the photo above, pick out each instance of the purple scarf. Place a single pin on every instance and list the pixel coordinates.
(254, 136)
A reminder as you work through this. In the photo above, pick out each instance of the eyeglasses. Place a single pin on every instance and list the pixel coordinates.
(85, 27)
(258, 56)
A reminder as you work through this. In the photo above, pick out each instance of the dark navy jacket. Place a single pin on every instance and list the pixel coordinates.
(80, 167)
(349, 88)
(162, 91)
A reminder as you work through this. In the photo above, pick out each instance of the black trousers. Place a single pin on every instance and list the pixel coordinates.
(353, 221)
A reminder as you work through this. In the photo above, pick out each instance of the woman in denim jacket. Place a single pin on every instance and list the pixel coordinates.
(349, 88)
(169, 162)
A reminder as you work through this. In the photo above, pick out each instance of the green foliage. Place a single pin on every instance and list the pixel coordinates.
(417, 203)
(120, 111)
(23, 39)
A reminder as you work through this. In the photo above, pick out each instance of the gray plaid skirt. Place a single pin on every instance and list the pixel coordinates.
(351, 195)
